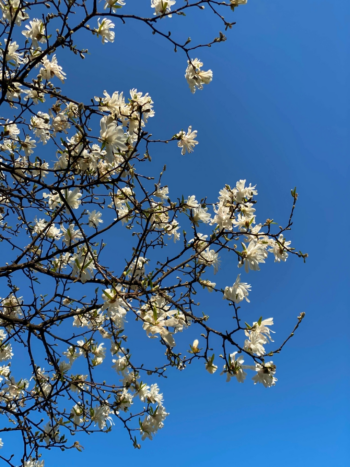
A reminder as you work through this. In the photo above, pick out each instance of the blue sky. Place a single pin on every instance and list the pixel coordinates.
(277, 115)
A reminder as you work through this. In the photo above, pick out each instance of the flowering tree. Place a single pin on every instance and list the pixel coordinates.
(57, 213)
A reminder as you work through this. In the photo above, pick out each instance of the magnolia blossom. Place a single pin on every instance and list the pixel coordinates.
(235, 3)
(279, 249)
(207, 285)
(83, 266)
(125, 400)
(200, 215)
(114, 4)
(77, 414)
(195, 77)
(121, 365)
(157, 317)
(162, 193)
(153, 422)
(11, 130)
(115, 305)
(235, 368)
(209, 258)
(187, 141)
(112, 137)
(258, 335)
(11, 306)
(52, 69)
(209, 365)
(70, 235)
(12, 56)
(51, 433)
(252, 255)
(194, 346)
(5, 348)
(33, 463)
(51, 232)
(162, 7)
(104, 30)
(13, 11)
(35, 31)
(241, 192)
(95, 218)
(265, 374)
(72, 198)
(223, 217)
(238, 292)
(101, 416)
(191, 202)
(40, 124)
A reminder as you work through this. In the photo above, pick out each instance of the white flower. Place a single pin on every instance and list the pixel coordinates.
(12, 56)
(77, 414)
(235, 368)
(115, 305)
(222, 217)
(195, 77)
(51, 433)
(265, 374)
(255, 344)
(95, 218)
(162, 193)
(124, 400)
(83, 266)
(241, 192)
(187, 141)
(35, 94)
(38, 169)
(33, 463)
(162, 7)
(40, 124)
(172, 230)
(52, 69)
(209, 258)
(236, 3)
(72, 198)
(278, 249)
(259, 334)
(5, 349)
(50, 232)
(112, 136)
(104, 30)
(200, 215)
(194, 346)
(252, 256)
(13, 11)
(71, 235)
(137, 268)
(11, 306)
(191, 202)
(35, 32)
(121, 365)
(261, 327)
(113, 4)
(60, 123)
(101, 416)
(157, 317)
(99, 354)
(11, 130)
(210, 367)
(238, 292)
(207, 284)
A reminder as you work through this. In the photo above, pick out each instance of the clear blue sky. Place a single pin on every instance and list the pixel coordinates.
(276, 114)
